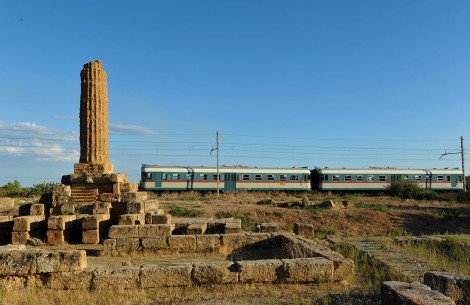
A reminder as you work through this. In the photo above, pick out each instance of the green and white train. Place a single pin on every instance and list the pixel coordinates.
(235, 178)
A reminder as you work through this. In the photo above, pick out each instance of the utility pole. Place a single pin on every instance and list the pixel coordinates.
(217, 150)
(463, 164)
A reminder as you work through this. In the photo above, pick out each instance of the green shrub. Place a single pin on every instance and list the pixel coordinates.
(407, 189)
(180, 211)
(12, 189)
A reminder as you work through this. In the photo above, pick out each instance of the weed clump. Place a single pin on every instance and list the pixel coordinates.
(179, 211)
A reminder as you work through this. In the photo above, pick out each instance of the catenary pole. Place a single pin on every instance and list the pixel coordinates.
(463, 164)
(217, 150)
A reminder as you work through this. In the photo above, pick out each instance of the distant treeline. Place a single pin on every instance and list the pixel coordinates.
(14, 189)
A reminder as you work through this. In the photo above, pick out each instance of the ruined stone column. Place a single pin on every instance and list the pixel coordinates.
(94, 156)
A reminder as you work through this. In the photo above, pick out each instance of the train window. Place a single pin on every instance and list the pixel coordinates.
(245, 177)
(258, 177)
(215, 177)
(459, 178)
(359, 178)
(347, 178)
(448, 178)
(326, 177)
(270, 177)
(382, 178)
(335, 177)
(428, 178)
(189, 176)
(306, 177)
(294, 178)
(203, 176)
(164, 177)
(440, 178)
(282, 177)
(370, 178)
(417, 178)
(175, 177)
(149, 176)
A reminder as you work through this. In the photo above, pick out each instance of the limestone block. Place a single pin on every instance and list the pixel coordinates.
(57, 236)
(260, 271)
(154, 230)
(69, 280)
(233, 227)
(131, 219)
(95, 222)
(13, 282)
(452, 285)
(196, 229)
(304, 229)
(131, 187)
(90, 169)
(308, 270)
(128, 245)
(259, 240)
(109, 247)
(117, 189)
(102, 207)
(154, 276)
(61, 222)
(28, 223)
(19, 237)
(109, 197)
(161, 219)
(233, 242)
(268, 227)
(134, 207)
(68, 209)
(152, 244)
(123, 231)
(90, 237)
(6, 202)
(182, 243)
(415, 293)
(60, 260)
(19, 262)
(151, 205)
(214, 273)
(208, 243)
(149, 215)
(36, 209)
(122, 278)
(62, 190)
(119, 178)
(134, 197)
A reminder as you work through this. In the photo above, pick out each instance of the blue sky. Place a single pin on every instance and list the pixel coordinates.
(286, 83)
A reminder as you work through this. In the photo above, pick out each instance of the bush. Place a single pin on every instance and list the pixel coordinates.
(407, 189)
(179, 211)
(12, 189)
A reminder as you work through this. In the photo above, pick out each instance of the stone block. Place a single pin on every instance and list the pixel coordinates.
(111, 279)
(268, 227)
(77, 280)
(151, 205)
(182, 243)
(134, 197)
(95, 222)
(90, 237)
(134, 207)
(62, 189)
(308, 270)
(60, 260)
(131, 219)
(61, 222)
(109, 247)
(304, 229)
(6, 202)
(215, 273)
(37, 209)
(17, 262)
(260, 271)
(232, 227)
(28, 223)
(102, 207)
(208, 243)
(68, 209)
(119, 178)
(57, 236)
(130, 187)
(127, 245)
(154, 276)
(233, 242)
(415, 293)
(161, 219)
(452, 285)
(196, 229)
(19, 237)
(109, 197)
(90, 169)
(149, 215)
(154, 230)
(154, 244)
(123, 231)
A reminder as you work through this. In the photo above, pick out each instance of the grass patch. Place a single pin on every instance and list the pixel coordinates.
(375, 207)
(179, 211)
(248, 224)
(323, 233)
(399, 232)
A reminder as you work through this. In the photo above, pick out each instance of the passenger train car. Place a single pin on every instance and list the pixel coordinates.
(235, 178)
(231, 178)
(377, 178)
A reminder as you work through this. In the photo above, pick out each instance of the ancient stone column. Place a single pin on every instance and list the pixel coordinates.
(94, 156)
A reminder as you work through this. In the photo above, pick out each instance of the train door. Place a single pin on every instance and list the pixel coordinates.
(157, 177)
(230, 183)
(395, 178)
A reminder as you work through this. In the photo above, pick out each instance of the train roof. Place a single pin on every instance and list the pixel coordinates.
(225, 169)
(388, 170)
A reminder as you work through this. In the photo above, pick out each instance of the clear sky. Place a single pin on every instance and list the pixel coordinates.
(286, 83)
